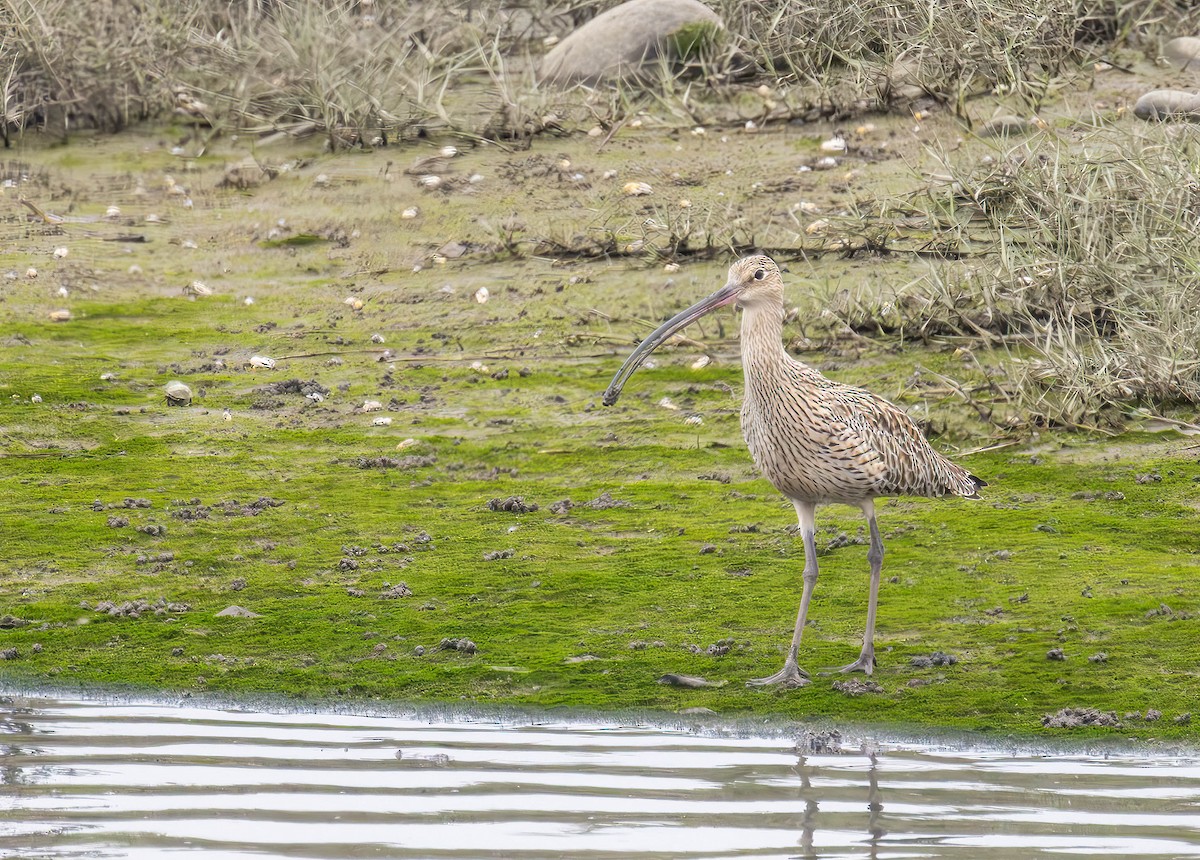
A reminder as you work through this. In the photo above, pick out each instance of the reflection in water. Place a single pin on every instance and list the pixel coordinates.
(874, 806)
(140, 780)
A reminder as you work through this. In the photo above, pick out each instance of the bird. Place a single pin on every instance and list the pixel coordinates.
(816, 440)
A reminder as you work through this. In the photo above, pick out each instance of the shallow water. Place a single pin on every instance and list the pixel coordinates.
(91, 779)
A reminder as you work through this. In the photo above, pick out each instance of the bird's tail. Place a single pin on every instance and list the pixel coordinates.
(976, 485)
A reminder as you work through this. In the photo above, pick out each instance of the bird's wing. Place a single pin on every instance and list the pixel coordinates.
(889, 449)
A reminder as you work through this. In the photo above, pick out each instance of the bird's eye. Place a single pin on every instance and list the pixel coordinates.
(760, 274)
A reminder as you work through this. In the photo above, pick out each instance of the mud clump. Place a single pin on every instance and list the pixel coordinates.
(512, 505)
(842, 539)
(399, 590)
(602, 502)
(819, 743)
(197, 510)
(463, 645)
(126, 503)
(1075, 718)
(1093, 495)
(605, 501)
(413, 461)
(937, 658)
(857, 687)
(293, 386)
(496, 555)
(138, 608)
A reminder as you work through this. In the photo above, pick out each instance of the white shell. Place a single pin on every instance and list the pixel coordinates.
(177, 393)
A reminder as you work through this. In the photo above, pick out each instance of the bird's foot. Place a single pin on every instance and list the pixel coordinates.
(790, 676)
(864, 663)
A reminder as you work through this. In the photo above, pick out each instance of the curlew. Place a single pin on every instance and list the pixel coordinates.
(817, 441)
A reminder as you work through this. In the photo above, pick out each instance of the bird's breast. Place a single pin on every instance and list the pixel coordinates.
(797, 445)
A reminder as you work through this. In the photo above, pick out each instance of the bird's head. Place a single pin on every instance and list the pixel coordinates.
(753, 281)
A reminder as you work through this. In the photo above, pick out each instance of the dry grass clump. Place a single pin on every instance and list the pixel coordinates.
(102, 65)
(358, 70)
(1092, 276)
(879, 50)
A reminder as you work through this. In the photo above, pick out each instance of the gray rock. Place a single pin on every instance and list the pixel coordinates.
(1005, 125)
(1168, 104)
(237, 612)
(1183, 52)
(629, 40)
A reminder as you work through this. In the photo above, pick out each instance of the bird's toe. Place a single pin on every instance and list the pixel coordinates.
(865, 664)
(788, 677)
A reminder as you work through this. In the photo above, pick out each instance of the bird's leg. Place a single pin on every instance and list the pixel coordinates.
(866, 660)
(791, 675)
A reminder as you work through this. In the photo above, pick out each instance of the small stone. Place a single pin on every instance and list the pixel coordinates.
(237, 612)
(1056, 654)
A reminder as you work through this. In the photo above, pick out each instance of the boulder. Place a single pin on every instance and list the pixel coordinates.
(1168, 104)
(630, 40)
(1183, 52)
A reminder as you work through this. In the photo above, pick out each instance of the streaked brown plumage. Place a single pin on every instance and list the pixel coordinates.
(814, 439)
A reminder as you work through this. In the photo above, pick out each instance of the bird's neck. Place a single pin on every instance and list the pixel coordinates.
(763, 355)
(762, 335)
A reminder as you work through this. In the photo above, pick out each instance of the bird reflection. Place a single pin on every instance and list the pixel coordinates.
(830, 743)
(874, 806)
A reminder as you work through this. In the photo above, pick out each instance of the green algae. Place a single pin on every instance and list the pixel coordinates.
(671, 542)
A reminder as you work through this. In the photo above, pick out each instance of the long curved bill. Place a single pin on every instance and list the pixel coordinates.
(726, 295)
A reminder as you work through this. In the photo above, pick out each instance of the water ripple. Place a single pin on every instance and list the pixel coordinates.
(81, 779)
